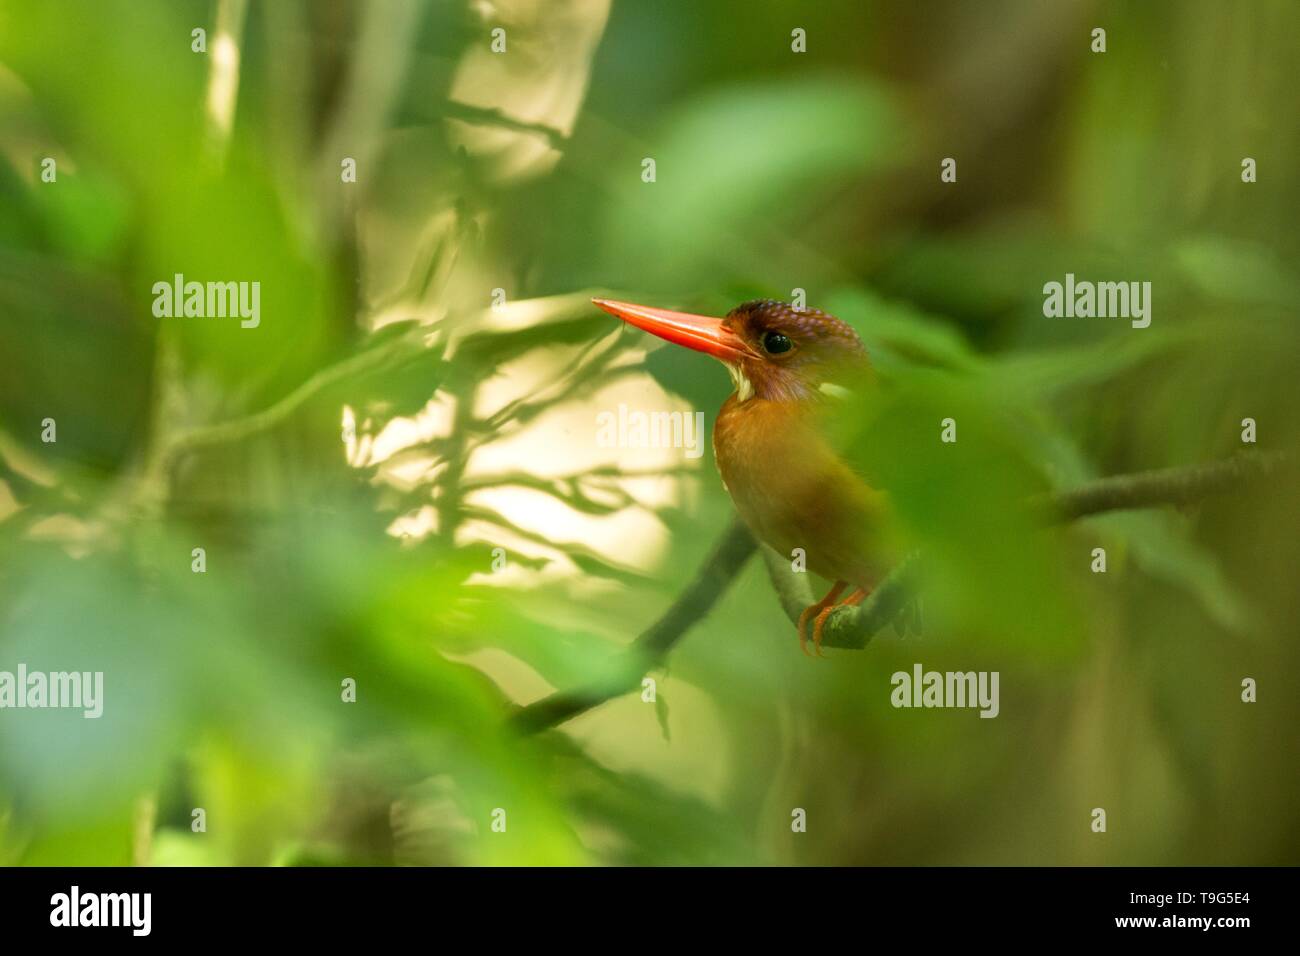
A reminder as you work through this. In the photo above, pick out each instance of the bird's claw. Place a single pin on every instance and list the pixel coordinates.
(823, 610)
(819, 611)
(819, 623)
(803, 622)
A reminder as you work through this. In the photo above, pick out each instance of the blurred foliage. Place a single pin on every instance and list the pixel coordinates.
(358, 465)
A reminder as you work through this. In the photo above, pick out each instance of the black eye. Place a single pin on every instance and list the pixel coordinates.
(776, 343)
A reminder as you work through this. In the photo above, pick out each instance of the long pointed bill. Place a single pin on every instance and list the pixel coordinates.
(699, 332)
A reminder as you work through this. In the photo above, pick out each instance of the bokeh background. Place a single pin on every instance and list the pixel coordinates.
(352, 466)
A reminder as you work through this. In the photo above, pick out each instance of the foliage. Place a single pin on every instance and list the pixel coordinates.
(467, 429)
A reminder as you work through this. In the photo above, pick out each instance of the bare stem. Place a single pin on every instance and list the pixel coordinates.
(649, 649)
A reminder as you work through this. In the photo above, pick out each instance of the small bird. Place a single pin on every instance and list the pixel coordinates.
(771, 441)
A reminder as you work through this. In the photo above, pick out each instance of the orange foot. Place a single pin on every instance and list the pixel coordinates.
(853, 600)
(816, 610)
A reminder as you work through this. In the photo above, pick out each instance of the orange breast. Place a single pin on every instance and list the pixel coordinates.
(794, 491)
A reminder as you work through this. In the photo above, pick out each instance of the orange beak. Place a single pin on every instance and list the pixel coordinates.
(699, 332)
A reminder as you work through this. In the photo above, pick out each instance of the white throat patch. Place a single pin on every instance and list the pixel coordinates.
(744, 387)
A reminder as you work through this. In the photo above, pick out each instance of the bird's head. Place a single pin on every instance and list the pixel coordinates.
(771, 349)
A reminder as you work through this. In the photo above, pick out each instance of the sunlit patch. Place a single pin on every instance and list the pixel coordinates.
(539, 78)
(534, 479)
(399, 440)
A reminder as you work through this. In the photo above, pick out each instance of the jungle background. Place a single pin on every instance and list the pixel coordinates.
(352, 466)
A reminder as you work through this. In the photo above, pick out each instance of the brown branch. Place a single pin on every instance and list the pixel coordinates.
(648, 650)
(852, 628)
(1167, 486)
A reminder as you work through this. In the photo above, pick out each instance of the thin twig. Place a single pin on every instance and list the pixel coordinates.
(1168, 486)
(648, 650)
(410, 345)
(241, 428)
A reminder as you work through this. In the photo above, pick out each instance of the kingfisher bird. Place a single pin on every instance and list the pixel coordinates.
(792, 367)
